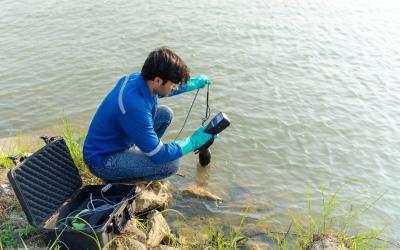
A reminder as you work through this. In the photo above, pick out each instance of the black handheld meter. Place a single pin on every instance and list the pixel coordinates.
(215, 126)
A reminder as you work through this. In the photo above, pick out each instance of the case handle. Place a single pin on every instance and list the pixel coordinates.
(17, 160)
(49, 139)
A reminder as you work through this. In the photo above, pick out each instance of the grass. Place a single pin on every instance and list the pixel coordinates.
(18, 148)
(5, 162)
(75, 139)
(330, 220)
(224, 241)
(11, 235)
(333, 220)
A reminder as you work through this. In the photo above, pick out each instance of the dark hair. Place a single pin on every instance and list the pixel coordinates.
(167, 65)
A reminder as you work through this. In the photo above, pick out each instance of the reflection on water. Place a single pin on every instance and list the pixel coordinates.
(202, 175)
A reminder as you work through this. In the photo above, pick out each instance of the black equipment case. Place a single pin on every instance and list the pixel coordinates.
(49, 189)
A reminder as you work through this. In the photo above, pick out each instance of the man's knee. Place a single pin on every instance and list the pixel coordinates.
(166, 113)
(172, 167)
(167, 170)
(175, 166)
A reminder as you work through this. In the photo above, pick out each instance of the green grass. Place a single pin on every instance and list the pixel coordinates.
(5, 162)
(20, 146)
(223, 241)
(332, 219)
(74, 139)
(10, 235)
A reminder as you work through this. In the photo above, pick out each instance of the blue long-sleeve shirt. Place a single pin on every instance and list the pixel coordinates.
(126, 118)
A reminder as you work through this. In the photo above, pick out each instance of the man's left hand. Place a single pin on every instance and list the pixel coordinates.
(197, 82)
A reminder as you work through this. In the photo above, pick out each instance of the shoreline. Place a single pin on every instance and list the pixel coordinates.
(31, 141)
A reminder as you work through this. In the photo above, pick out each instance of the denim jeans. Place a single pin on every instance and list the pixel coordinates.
(134, 164)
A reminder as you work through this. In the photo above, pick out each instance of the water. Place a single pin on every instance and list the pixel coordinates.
(312, 89)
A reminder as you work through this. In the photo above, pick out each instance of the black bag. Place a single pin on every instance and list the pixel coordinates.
(49, 189)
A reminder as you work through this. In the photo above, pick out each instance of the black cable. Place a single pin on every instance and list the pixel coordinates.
(204, 119)
(208, 110)
(187, 116)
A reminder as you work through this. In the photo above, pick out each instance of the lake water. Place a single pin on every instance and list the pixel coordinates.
(312, 89)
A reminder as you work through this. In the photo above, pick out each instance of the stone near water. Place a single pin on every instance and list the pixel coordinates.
(155, 196)
(133, 231)
(164, 247)
(328, 243)
(255, 245)
(126, 243)
(200, 192)
(158, 228)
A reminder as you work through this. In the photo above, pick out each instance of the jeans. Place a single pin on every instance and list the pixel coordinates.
(134, 164)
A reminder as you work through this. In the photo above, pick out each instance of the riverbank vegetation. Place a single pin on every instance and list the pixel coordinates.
(329, 220)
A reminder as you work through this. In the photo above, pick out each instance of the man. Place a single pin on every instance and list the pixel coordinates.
(124, 137)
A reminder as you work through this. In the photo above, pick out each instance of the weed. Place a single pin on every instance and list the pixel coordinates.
(5, 162)
(7, 234)
(74, 140)
(329, 222)
(10, 235)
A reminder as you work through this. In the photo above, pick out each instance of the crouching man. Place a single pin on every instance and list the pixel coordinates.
(124, 137)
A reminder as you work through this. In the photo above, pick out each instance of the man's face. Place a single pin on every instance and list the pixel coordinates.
(166, 88)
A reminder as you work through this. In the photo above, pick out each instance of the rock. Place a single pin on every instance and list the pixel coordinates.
(4, 188)
(4, 184)
(328, 243)
(158, 228)
(133, 231)
(126, 243)
(256, 245)
(164, 247)
(155, 196)
(200, 192)
(132, 238)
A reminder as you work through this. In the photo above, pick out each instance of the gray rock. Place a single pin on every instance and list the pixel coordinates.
(164, 247)
(5, 188)
(132, 238)
(126, 243)
(200, 192)
(4, 184)
(328, 243)
(155, 196)
(158, 228)
(256, 245)
(133, 231)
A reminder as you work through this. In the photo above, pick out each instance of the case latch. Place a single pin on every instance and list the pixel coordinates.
(120, 223)
(49, 139)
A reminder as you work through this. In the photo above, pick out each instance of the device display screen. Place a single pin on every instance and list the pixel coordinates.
(216, 120)
(217, 124)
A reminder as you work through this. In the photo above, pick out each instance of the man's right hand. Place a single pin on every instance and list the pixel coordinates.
(195, 141)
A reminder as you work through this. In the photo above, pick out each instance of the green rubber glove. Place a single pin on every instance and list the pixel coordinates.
(197, 82)
(195, 141)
